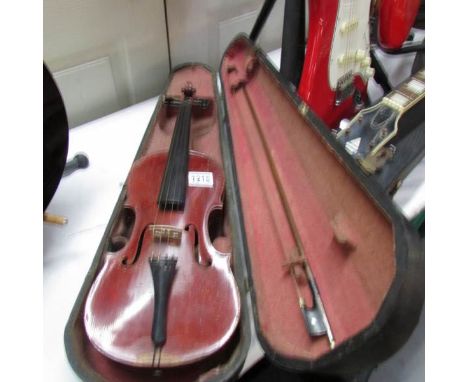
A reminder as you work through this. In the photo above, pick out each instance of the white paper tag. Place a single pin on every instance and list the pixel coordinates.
(200, 179)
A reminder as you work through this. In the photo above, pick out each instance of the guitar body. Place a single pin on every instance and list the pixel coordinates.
(396, 17)
(203, 305)
(337, 63)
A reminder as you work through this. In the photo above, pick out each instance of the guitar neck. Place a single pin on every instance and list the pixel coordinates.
(407, 94)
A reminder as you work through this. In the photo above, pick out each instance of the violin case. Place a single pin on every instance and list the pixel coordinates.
(368, 262)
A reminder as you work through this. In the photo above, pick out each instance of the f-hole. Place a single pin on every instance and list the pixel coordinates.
(125, 260)
(122, 229)
(193, 234)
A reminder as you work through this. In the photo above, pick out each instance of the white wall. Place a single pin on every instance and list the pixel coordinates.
(200, 30)
(108, 54)
(105, 54)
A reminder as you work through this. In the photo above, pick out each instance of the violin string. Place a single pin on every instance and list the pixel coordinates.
(158, 242)
(208, 170)
(186, 107)
(166, 178)
(158, 208)
(172, 188)
(155, 221)
(154, 356)
(159, 358)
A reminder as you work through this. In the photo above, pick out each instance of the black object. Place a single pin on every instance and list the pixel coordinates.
(174, 184)
(419, 61)
(262, 17)
(420, 21)
(265, 371)
(55, 137)
(163, 271)
(293, 42)
(408, 47)
(78, 161)
(380, 75)
(409, 149)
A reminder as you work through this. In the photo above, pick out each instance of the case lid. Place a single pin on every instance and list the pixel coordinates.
(296, 196)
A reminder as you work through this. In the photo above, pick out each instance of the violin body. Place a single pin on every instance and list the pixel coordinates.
(203, 304)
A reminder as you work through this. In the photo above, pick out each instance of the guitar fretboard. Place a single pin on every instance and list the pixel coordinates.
(408, 93)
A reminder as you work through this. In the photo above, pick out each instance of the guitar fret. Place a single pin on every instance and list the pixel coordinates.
(407, 93)
(398, 99)
(420, 75)
(415, 86)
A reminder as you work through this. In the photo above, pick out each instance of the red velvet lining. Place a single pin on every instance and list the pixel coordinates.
(347, 240)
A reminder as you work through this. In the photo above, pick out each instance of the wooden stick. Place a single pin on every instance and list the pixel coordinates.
(54, 219)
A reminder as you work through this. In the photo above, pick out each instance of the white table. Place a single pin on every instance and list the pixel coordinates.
(87, 198)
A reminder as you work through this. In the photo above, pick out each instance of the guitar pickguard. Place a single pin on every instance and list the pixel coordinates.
(350, 46)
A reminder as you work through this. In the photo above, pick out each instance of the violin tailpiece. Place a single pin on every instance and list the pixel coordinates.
(163, 272)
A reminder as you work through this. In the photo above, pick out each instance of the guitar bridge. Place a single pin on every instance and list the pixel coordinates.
(344, 88)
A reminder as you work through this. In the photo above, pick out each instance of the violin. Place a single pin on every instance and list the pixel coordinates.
(167, 297)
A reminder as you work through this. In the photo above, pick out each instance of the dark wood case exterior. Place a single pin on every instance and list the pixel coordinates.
(401, 308)
(393, 324)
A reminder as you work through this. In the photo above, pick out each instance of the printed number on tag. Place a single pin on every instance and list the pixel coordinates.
(200, 179)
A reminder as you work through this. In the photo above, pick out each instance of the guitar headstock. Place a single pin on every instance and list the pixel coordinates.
(368, 133)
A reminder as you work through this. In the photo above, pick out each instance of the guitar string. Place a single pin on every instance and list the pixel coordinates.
(347, 15)
(350, 57)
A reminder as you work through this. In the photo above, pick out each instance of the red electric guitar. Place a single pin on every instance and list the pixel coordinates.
(395, 19)
(337, 62)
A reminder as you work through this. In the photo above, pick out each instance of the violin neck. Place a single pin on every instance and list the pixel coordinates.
(174, 184)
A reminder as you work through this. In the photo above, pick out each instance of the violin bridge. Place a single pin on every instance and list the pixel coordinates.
(166, 233)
